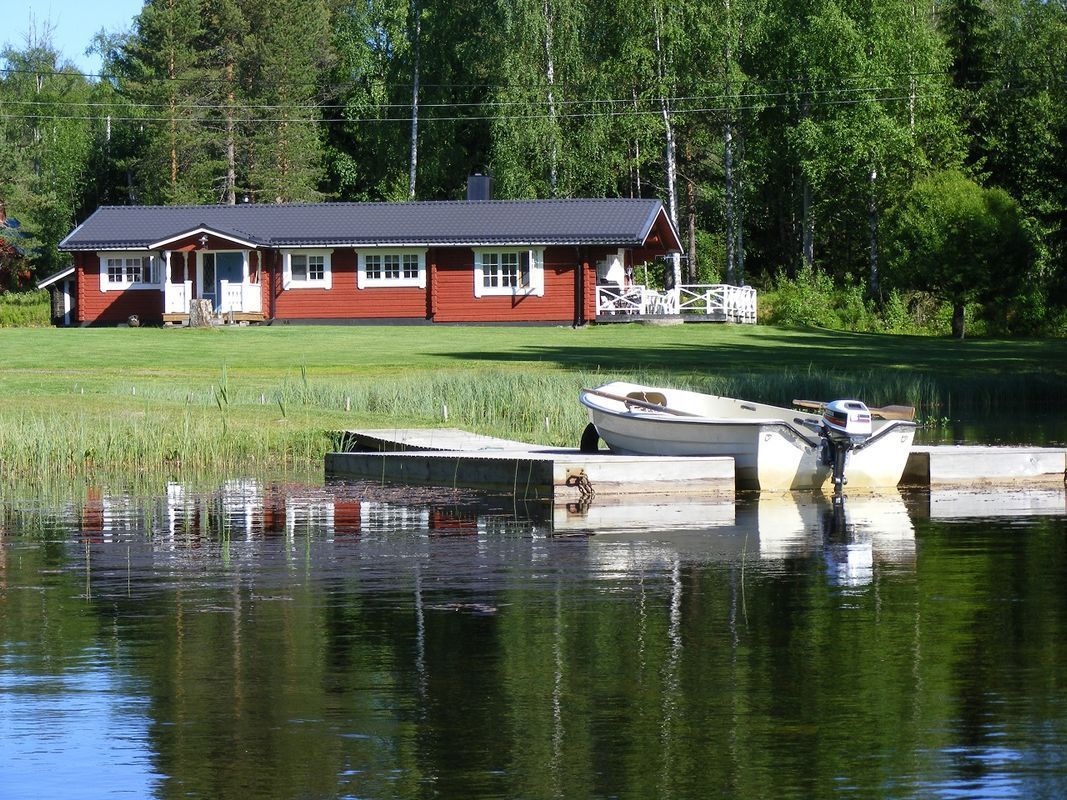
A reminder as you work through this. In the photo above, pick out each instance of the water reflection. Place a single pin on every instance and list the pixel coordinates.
(850, 534)
(274, 639)
(58, 728)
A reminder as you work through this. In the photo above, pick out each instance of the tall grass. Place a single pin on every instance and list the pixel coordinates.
(25, 309)
(168, 429)
(517, 403)
(156, 442)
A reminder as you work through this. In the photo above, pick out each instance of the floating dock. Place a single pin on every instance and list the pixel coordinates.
(450, 457)
(969, 465)
(455, 458)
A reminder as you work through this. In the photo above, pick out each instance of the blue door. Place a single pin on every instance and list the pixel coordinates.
(228, 267)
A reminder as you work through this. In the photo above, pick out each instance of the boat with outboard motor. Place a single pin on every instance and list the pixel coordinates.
(773, 448)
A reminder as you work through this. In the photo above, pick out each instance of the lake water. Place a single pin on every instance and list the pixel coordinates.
(265, 639)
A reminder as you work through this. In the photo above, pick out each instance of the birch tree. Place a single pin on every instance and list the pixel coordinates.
(739, 25)
(665, 88)
(625, 56)
(45, 144)
(527, 134)
(551, 131)
(415, 32)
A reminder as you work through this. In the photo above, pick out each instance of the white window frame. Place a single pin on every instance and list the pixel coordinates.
(155, 269)
(363, 281)
(288, 282)
(536, 286)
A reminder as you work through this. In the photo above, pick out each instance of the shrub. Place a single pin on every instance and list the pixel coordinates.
(807, 300)
(812, 299)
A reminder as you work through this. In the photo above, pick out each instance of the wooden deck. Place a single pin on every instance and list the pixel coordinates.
(227, 318)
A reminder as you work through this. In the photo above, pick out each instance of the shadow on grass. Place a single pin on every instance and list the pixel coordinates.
(779, 349)
(940, 377)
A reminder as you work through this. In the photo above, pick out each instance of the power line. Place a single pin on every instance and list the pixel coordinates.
(626, 106)
(474, 117)
(624, 102)
(809, 80)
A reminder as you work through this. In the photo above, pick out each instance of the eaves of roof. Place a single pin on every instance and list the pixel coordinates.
(479, 242)
(44, 283)
(231, 234)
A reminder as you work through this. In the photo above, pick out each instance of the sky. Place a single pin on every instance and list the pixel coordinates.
(74, 24)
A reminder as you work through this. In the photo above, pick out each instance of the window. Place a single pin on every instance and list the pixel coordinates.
(392, 268)
(512, 271)
(506, 270)
(307, 269)
(120, 271)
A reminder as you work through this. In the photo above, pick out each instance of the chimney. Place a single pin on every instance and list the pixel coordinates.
(479, 187)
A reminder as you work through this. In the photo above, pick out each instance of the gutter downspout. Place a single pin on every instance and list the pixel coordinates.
(579, 283)
(271, 291)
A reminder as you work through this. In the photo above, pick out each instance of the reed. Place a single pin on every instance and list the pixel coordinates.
(155, 442)
(76, 403)
(230, 426)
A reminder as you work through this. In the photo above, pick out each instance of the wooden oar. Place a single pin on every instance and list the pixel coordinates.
(633, 401)
(906, 413)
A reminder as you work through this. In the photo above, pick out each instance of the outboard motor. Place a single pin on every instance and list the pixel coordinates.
(845, 426)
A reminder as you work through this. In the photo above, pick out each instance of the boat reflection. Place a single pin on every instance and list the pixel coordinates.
(852, 534)
(859, 531)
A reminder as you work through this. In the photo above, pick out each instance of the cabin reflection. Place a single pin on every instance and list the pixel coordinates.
(854, 538)
(247, 509)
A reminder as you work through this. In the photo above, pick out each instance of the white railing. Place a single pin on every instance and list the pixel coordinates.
(176, 297)
(617, 300)
(236, 297)
(635, 299)
(660, 304)
(251, 298)
(240, 298)
(731, 303)
(736, 303)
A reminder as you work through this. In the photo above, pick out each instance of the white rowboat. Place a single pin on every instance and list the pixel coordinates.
(773, 448)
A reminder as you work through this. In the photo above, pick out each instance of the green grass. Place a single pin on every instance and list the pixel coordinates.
(185, 401)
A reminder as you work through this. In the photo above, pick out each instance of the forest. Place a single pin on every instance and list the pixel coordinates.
(906, 158)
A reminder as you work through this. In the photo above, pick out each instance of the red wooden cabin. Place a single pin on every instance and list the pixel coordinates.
(451, 261)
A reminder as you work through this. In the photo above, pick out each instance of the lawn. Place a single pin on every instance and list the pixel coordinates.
(197, 399)
(369, 349)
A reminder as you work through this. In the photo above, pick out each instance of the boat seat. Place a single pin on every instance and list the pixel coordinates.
(656, 398)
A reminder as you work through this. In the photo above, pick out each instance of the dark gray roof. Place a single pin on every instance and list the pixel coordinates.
(621, 221)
